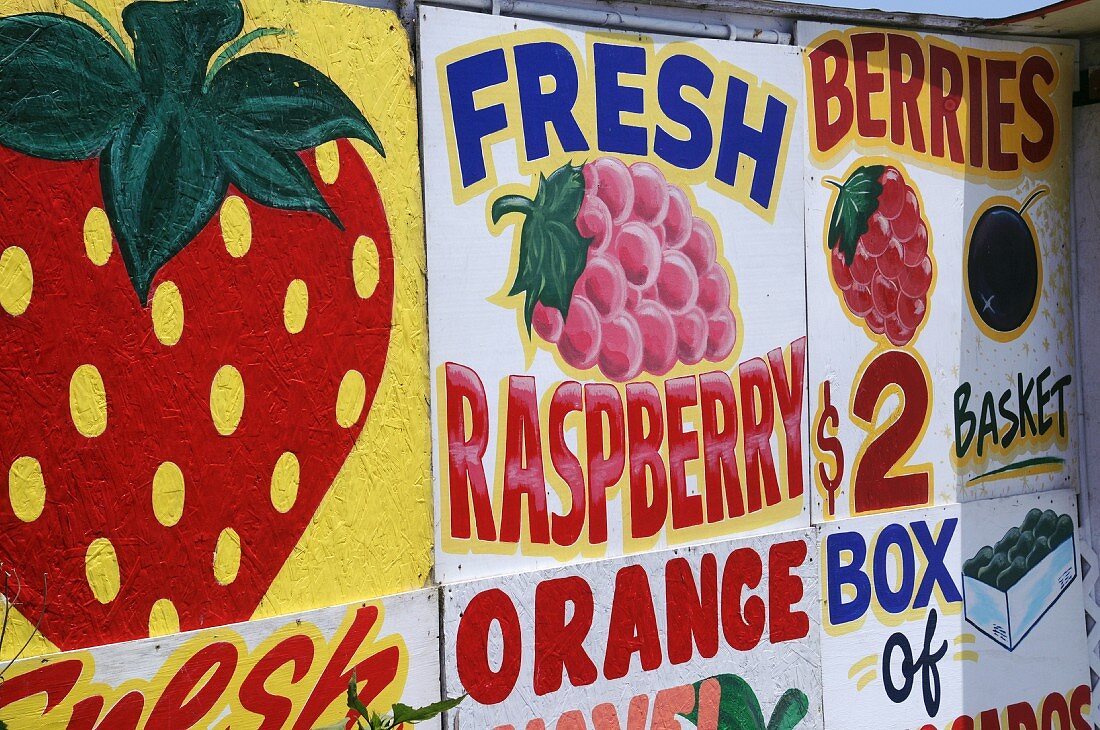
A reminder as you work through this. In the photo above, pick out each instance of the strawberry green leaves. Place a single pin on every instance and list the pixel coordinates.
(64, 90)
(854, 204)
(273, 177)
(161, 183)
(552, 253)
(174, 41)
(739, 709)
(294, 104)
(172, 129)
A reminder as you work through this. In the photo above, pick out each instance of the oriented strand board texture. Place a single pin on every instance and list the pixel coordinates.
(286, 672)
(212, 334)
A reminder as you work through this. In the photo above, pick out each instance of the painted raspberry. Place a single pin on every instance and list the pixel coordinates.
(619, 273)
(880, 258)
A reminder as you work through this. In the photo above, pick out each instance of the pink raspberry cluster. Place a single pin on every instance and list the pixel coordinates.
(652, 292)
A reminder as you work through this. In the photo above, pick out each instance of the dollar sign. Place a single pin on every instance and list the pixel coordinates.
(827, 424)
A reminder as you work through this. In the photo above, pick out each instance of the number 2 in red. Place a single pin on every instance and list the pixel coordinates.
(882, 480)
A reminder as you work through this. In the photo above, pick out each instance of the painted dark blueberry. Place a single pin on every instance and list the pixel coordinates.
(1003, 267)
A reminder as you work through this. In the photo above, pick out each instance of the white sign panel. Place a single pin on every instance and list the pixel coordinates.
(955, 616)
(938, 268)
(286, 672)
(699, 637)
(615, 290)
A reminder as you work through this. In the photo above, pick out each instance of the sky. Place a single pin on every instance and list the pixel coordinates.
(966, 8)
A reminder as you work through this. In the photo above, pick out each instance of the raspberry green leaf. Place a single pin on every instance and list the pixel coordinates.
(738, 708)
(552, 253)
(287, 102)
(856, 201)
(162, 183)
(64, 89)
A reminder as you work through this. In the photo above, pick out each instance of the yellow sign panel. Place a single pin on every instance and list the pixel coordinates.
(212, 342)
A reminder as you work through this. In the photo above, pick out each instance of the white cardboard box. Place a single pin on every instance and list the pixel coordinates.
(1008, 616)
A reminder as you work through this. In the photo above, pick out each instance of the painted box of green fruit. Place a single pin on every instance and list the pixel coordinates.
(1009, 587)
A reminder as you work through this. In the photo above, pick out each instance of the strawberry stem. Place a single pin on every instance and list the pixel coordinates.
(109, 29)
(236, 47)
(1038, 193)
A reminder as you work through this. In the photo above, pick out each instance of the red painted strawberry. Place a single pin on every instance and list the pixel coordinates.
(177, 396)
(619, 273)
(880, 257)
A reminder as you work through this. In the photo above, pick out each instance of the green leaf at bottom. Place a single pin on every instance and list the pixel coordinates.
(404, 713)
(790, 710)
(738, 708)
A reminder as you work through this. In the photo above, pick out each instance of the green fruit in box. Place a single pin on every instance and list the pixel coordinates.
(1031, 519)
(1023, 546)
(1012, 574)
(1007, 542)
(1062, 531)
(1047, 523)
(989, 573)
(1040, 551)
(979, 561)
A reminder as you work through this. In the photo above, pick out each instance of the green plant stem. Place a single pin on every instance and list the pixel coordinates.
(112, 33)
(236, 47)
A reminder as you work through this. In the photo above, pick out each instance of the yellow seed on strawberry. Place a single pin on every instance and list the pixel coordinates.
(227, 399)
(364, 266)
(168, 494)
(284, 482)
(101, 569)
(97, 236)
(163, 618)
(168, 313)
(227, 556)
(296, 306)
(16, 280)
(236, 226)
(88, 401)
(350, 398)
(26, 488)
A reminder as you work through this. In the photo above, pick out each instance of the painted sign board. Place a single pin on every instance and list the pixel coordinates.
(212, 350)
(685, 638)
(615, 290)
(938, 265)
(281, 673)
(955, 616)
